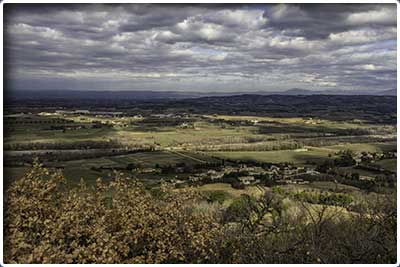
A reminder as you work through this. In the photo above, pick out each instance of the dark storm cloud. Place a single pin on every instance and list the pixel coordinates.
(316, 21)
(200, 47)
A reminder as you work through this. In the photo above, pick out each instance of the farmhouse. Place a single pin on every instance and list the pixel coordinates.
(312, 172)
(247, 180)
(214, 174)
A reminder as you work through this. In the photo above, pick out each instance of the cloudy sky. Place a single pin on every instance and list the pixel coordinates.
(200, 47)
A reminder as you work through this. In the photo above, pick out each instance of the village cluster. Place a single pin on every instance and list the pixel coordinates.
(251, 175)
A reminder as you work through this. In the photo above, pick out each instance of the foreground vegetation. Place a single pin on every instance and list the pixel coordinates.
(122, 222)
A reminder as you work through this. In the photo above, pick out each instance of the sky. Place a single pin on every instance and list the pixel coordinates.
(206, 48)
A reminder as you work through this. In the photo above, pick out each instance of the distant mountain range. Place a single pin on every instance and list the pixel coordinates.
(296, 91)
(143, 95)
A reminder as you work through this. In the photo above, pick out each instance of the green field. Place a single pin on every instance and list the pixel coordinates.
(161, 158)
(388, 164)
(212, 135)
(230, 192)
(74, 170)
(321, 186)
(367, 147)
(295, 156)
(37, 134)
(202, 133)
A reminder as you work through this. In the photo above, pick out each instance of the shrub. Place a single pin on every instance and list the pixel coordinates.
(346, 159)
(335, 199)
(216, 196)
(115, 223)
(240, 209)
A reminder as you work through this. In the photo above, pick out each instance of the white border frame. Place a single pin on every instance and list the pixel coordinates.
(183, 2)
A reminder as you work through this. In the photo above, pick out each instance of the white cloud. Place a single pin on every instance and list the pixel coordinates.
(380, 16)
(362, 36)
(368, 67)
(286, 11)
(251, 19)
